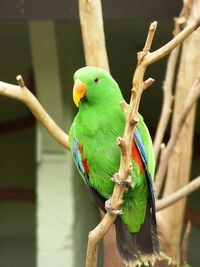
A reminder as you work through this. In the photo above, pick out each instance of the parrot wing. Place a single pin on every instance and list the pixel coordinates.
(83, 169)
(141, 148)
(143, 243)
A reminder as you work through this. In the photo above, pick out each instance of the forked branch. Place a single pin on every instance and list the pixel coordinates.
(166, 152)
(166, 49)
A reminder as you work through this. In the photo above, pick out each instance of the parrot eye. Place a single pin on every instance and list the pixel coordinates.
(96, 80)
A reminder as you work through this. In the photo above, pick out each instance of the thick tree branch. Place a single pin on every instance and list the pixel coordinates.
(22, 94)
(91, 20)
(183, 192)
(166, 152)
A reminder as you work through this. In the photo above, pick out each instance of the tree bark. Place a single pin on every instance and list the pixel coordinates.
(91, 20)
(180, 163)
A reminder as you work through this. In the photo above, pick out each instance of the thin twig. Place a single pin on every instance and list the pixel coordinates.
(183, 192)
(22, 94)
(167, 101)
(149, 40)
(148, 83)
(166, 152)
(183, 253)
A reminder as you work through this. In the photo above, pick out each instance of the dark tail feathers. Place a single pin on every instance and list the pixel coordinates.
(144, 243)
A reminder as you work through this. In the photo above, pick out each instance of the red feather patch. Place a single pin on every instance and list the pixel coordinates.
(85, 166)
(80, 148)
(83, 161)
(136, 156)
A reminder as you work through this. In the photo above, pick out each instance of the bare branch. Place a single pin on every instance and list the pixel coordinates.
(20, 81)
(167, 101)
(90, 13)
(149, 40)
(183, 253)
(166, 152)
(150, 36)
(164, 50)
(187, 6)
(22, 94)
(183, 192)
(148, 83)
(12, 91)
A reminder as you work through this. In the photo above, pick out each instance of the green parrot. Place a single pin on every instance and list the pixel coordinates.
(92, 138)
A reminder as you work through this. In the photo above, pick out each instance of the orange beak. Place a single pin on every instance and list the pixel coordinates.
(79, 90)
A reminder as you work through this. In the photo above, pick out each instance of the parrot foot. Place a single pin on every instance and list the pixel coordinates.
(119, 181)
(109, 209)
(128, 181)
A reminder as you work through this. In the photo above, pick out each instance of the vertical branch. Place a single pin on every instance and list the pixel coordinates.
(91, 20)
(167, 101)
(169, 79)
(183, 256)
(192, 97)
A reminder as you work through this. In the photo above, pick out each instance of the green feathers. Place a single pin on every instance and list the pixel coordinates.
(100, 120)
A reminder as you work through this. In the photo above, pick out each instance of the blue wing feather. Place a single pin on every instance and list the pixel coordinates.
(141, 148)
(77, 157)
(100, 201)
(78, 162)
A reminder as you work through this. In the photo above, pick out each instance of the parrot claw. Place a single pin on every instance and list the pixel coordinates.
(115, 178)
(128, 181)
(109, 209)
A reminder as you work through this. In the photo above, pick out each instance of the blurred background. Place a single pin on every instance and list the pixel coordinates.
(45, 211)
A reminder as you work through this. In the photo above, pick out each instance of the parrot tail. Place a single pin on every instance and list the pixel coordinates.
(141, 247)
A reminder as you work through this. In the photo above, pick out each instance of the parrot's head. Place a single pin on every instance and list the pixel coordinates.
(94, 86)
